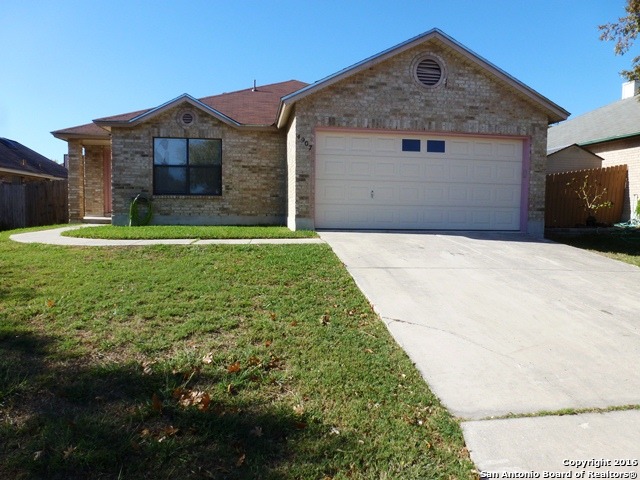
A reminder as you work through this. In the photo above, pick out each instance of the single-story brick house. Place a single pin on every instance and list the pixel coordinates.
(424, 135)
(611, 132)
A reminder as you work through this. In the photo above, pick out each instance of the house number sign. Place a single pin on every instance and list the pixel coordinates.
(304, 141)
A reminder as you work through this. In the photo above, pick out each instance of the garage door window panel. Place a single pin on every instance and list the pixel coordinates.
(435, 146)
(410, 145)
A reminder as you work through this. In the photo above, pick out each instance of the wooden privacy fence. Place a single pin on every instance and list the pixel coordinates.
(33, 204)
(565, 209)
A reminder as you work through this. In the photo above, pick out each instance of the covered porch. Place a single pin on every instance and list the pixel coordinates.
(89, 164)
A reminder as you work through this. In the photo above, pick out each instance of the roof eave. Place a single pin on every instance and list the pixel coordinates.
(610, 139)
(25, 173)
(79, 136)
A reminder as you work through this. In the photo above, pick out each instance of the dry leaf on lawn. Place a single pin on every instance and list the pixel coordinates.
(234, 367)
(156, 403)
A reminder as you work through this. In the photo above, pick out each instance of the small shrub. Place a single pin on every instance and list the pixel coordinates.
(591, 194)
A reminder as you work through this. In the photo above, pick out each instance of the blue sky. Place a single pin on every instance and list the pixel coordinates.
(65, 63)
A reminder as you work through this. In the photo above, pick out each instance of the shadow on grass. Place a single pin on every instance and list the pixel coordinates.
(623, 242)
(63, 418)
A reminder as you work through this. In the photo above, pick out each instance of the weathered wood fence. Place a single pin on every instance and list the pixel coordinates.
(565, 209)
(33, 204)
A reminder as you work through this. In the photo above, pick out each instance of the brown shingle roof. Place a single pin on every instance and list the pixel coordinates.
(89, 130)
(247, 107)
(250, 107)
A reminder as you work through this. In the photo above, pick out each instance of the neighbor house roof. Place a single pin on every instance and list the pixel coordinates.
(552, 151)
(17, 159)
(554, 112)
(617, 120)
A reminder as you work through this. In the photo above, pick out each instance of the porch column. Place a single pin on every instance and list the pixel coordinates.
(76, 182)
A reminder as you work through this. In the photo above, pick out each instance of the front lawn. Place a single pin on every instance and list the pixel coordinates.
(623, 244)
(181, 231)
(226, 362)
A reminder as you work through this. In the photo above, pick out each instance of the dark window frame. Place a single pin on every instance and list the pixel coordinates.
(188, 169)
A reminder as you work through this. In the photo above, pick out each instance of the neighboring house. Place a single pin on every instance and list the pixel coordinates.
(19, 164)
(613, 133)
(424, 135)
(570, 158)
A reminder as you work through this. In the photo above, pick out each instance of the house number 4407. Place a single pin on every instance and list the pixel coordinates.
(305, 141)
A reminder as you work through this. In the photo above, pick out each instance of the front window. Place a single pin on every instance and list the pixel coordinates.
(187, 166)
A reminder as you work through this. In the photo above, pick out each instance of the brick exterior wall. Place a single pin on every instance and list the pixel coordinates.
(254, 175)
(76, 181)
(94, 180)
(386, 97)
(622, 152)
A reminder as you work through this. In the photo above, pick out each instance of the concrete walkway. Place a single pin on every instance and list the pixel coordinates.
(502, 324)
(53, 237)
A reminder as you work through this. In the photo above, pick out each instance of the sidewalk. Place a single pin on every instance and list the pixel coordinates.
(54, 237)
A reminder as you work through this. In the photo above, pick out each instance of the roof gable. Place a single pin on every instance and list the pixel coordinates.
(620, 119)
(17, 158)
(250, 107)
(136, 118)
(554, 112)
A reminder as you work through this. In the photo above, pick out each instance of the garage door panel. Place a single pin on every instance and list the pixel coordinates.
(409, 195)
(458, 148)
(434, 195)
(507, 151)
(385, 169)
(334, 167)
(332, 143)
(506, 195)
(435, 172)
(386, 146)
(367, 181)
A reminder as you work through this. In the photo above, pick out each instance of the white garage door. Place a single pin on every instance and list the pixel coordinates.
(391, 181)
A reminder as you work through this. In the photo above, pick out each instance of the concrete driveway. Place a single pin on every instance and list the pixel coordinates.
(501, 323)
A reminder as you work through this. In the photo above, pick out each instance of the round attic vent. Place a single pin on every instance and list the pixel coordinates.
(186, 118)
(428, 71)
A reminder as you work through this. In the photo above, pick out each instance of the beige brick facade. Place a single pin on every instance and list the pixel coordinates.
(253, 173)
(95, 157)
(621, 152)
(386, 97)
(76, 181)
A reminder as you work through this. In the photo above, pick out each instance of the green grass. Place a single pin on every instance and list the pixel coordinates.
(623, 245)
(228, 362)
(180, 231)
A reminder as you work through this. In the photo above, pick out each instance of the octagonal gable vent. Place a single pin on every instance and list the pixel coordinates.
(429, 72)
